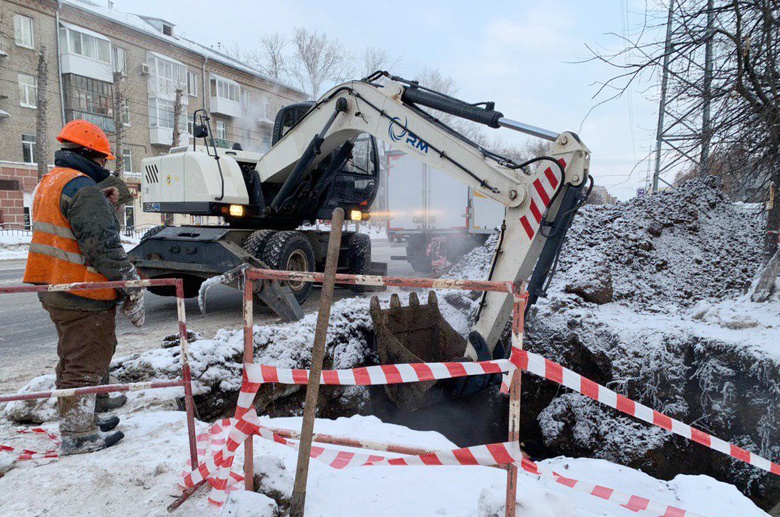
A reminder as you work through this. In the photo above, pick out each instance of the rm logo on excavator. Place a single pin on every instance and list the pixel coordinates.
(411, 139)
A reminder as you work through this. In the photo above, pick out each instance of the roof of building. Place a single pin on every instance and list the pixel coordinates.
(140, 23)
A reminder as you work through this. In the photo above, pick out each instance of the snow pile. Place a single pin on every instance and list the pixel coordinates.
(34, 411)
(676, 248)
(647, 301)
(216, 363)
(14, 245)
(139, 476)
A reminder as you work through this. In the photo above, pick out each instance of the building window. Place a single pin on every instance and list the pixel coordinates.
(28, 91)
(127, 155)
(23, 31)
(28, 148)
(85, 45)
(89, 99)
(245, 98)
(224, 89)
(161, 114)
(167, 76)
(192, 84)
(120, 60)
(221, 130)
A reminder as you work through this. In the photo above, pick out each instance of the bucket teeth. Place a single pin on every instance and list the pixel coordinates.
(395, 301)
(413, 300)
(432, 299)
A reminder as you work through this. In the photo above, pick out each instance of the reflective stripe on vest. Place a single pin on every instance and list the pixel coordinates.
(55, 256)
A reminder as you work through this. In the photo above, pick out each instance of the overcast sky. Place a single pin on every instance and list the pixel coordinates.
(522, 55)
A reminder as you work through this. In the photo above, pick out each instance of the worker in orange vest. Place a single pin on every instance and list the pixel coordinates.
(76, 239)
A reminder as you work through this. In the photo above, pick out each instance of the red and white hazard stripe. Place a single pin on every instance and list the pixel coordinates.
(256, 374)
(542, 191)
(27, 454)
(553, 371)
(484, 455)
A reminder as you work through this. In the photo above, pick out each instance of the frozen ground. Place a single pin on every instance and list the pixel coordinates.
(139, 476)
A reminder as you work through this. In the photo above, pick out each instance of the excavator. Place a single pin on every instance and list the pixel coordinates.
(324, 155)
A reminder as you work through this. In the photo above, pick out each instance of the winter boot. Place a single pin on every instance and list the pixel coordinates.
(80, 444)
(106, 422)
(78, 429)
(105, 403)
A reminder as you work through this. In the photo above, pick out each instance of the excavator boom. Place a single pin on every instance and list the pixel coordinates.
(392, 110)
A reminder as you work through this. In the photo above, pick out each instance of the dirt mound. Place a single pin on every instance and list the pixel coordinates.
(678, 247)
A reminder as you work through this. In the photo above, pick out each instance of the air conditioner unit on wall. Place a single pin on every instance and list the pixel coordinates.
(144, 69)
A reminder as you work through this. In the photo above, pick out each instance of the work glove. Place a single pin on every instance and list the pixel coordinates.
(133, 306)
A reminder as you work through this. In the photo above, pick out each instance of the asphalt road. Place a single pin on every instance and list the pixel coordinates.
(28, 340)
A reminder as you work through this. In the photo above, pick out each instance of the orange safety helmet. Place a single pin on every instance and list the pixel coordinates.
(87, 135)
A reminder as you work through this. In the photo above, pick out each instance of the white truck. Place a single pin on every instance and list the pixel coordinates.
(439, 218)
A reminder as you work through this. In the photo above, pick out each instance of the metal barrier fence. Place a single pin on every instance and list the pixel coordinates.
(185, 381)
(517, 290)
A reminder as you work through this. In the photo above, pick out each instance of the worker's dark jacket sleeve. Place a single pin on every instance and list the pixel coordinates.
(96, 228)
(94, 223)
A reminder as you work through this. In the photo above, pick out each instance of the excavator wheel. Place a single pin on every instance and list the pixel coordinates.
(255, 243)
(359, 253)
(291, 251)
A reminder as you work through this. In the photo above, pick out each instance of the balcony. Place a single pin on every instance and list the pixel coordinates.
(164, 136)
(223, 106)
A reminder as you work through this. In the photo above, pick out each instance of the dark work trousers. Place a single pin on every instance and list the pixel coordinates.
(87, 341)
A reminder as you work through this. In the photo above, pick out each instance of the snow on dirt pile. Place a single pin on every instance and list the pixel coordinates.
(648, 300)
(217, 363)
(679, 247)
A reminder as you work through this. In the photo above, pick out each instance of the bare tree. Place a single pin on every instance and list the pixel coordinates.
(274, 60)
(725, 110)
(317, 60)
(119, 126)
(377, 59)
(41, 137)
(177, 110)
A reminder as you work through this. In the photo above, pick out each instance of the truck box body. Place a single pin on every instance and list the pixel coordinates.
(424, 203)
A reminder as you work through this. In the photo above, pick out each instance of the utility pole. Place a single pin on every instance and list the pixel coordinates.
(706, 129)
(41, 137)
(119, 126)
(659, 135)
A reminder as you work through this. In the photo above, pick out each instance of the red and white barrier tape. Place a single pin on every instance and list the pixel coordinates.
(482, 455)
(553, 371)
(256, 374)
(27, 454)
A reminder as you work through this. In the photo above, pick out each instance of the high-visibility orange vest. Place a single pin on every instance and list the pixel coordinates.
(55, 256)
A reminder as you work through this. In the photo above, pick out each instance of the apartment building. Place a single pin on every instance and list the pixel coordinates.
(95, 51)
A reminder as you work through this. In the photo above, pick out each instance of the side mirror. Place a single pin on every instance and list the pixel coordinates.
(200, 131)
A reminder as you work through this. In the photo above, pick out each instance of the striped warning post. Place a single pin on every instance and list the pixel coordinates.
(542, 190)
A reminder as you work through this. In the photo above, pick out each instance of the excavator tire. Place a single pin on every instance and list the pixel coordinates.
(359, 253)
(290, 250)
(255, 243)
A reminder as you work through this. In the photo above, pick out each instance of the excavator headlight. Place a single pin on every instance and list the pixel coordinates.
(236, 210)
(356, 215)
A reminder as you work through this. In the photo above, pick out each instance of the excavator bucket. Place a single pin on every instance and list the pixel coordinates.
(416, 334)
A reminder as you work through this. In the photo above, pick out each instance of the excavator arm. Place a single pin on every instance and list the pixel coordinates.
(540, 197)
